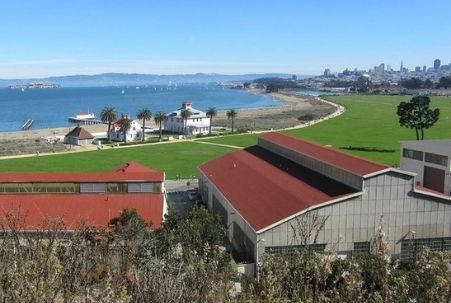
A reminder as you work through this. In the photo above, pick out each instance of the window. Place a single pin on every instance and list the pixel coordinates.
(290, 251)
(39, 187)
(361, 247)
(436, 159)
(117, 187)
(410, 247)
(93, 187)
(412, 154)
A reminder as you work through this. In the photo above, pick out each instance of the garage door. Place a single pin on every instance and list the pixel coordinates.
(434, 178)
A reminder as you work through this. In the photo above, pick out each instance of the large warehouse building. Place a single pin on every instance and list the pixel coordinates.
(265, 194)
(83, 198)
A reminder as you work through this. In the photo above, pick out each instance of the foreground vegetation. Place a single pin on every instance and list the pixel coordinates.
(186, 262)
(369, 128)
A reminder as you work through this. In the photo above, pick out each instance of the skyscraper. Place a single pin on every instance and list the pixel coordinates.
(437, 64)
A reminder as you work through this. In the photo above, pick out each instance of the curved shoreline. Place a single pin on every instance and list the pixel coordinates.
(290, 103)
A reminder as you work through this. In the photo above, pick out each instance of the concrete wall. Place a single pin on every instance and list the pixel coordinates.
(333, 172)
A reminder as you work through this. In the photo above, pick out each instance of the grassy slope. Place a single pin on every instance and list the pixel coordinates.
(177, 158)
(370, 121)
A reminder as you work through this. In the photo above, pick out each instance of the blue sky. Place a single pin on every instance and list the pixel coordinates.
(43, 38)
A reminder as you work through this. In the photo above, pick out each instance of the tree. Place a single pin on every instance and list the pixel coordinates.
(412, 83)
(231, 114)
(108, 115)
(185, 114)
(129, 224)
(417, 115)
(428, 84)
(159, 119)
(364, 84)
(445, 82)
(211, 112)
(144, 114)
(125, 124)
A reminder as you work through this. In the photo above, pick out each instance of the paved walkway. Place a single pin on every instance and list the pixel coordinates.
(218, 144)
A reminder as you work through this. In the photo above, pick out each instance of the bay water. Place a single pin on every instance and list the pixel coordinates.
(50, 108)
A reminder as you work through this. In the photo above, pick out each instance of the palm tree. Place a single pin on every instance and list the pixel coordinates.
(211, 112)
(125, 124)
(144, 114)
(231, 114)
(108, 115)
(185, 114)
(159, 119)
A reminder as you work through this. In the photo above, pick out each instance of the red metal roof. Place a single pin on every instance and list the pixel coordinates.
(266, 188)
(131, 171)
(328, 155)
(92, 209)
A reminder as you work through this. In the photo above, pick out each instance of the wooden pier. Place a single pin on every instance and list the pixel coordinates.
(27, 125)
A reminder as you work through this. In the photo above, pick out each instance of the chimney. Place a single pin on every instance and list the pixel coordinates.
(186, 104)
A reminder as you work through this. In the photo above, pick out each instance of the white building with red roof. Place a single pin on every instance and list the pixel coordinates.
(266, 193)
(133, 133)
(91, 198)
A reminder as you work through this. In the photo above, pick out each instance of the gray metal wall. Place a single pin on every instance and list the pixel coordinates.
(389, 195)
(333, 172)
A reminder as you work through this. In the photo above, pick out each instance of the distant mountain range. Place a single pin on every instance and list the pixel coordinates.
(121, 79)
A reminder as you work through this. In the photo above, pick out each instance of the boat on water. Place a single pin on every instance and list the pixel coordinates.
(85, 118)
(27, 125)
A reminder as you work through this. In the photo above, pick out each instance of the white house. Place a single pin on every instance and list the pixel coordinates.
(430, 160)
(134, 133)
(197, 123)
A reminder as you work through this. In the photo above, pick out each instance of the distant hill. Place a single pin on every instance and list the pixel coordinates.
(120, 79)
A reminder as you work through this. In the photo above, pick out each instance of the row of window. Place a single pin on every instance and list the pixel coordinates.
(411, 247)
(428, 157)
(178, 120)
(290, 251)
(79, 187)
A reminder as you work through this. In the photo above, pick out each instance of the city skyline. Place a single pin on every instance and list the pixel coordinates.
(49, 38)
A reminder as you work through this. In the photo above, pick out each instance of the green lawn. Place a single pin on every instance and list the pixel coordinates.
(175, 158)
(370, 122)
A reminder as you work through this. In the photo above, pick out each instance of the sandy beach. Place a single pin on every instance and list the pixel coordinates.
(286, 115)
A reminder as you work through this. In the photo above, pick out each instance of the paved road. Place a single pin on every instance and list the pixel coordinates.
(177, 194)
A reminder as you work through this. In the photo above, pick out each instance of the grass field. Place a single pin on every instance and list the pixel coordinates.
(371, 122)
(175, 159)
(369, 125)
